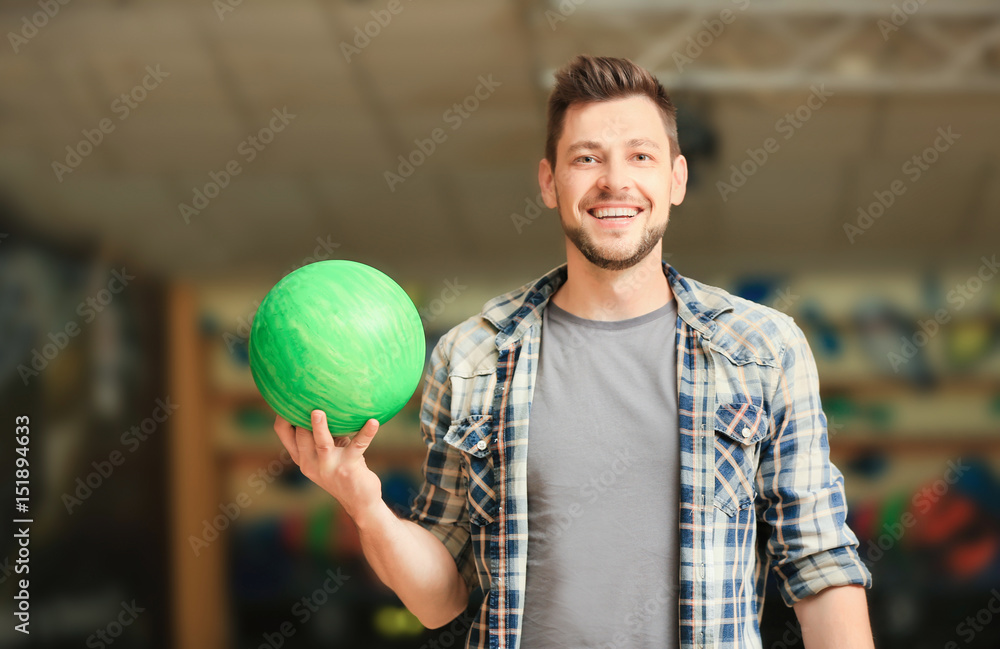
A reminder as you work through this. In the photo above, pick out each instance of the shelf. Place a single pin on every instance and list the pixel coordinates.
(949, 446)
(374, 456)
(236, 398)
(394, 444)
(886, 386)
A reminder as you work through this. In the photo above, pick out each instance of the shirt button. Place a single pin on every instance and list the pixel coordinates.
(746, 432)
(482, 445)
(701, 571)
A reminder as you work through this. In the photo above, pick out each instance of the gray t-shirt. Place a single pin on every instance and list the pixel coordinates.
(603, 484)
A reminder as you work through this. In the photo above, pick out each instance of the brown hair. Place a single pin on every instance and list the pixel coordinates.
(600, 78)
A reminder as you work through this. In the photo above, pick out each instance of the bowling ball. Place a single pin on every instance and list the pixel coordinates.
(338, 336)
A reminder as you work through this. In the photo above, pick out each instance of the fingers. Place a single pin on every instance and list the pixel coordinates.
(309, 449)
(321, 433)
(306, 448)
(286, 433)
(361, 441)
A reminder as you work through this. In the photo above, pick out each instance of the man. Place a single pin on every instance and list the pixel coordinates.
(603, 440)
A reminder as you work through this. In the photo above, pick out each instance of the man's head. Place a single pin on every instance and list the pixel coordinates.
(600, 78)
(611, 142)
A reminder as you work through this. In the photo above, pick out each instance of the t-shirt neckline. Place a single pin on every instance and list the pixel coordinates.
(628, 323)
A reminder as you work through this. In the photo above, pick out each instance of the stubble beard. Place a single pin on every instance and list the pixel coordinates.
(651, 235)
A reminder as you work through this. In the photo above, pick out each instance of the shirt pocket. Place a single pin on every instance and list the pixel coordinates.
(472, 435)
(738, 429)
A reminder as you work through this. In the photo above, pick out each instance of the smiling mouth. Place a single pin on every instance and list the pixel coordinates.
(615, 213)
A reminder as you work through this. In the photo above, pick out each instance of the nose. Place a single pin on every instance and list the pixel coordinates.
(615, 177)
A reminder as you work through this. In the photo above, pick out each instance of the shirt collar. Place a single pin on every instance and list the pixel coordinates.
(513, 313)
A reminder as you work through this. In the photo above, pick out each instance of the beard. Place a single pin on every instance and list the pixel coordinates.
(606, 258)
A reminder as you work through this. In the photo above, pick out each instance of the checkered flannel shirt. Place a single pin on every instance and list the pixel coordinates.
(753, 447)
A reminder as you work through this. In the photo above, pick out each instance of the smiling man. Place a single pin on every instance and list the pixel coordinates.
(608, 443)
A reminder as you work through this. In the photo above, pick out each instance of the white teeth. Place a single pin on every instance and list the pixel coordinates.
(604, 212)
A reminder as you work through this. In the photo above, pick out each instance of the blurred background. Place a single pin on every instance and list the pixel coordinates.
(162, 165)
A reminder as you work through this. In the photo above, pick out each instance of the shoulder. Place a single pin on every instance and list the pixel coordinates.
(747, 330)
(469, 347)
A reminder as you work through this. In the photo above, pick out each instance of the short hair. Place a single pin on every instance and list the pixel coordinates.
(600, 78)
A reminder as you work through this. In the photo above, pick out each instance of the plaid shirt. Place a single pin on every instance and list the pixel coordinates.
(753, 446)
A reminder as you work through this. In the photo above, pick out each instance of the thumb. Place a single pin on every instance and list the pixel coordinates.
(363, 439)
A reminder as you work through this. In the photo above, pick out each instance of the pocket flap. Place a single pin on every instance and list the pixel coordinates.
(471, 434)
(745, 423)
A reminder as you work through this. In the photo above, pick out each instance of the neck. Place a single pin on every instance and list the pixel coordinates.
(598, 294)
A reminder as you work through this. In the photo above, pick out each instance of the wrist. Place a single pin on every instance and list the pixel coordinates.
(372, 516)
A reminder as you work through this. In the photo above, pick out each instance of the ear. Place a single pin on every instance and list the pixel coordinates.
(678, 181)
(546, 181)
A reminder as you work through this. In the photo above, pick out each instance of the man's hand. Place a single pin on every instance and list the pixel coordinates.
(337, 464)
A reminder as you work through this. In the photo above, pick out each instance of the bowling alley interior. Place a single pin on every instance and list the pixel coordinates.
(164, 165)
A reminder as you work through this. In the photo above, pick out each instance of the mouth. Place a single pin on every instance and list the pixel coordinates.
(615, 213)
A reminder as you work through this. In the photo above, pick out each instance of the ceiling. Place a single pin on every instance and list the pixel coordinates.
(734, 68)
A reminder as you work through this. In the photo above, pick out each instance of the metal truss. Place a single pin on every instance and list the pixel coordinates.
(904, 46)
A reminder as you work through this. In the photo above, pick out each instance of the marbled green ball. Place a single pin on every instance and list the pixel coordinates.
(338, 336)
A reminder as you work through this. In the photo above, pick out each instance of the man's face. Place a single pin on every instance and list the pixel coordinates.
(613, 158)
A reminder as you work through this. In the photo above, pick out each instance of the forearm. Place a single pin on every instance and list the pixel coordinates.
(835, 618)
(414, 564)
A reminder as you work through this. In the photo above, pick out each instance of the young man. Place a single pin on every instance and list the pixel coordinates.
(603, 440)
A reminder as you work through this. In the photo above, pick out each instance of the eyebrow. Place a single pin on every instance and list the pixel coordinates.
(593, 144)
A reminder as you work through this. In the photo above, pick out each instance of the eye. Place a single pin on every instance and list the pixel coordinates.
(645, 155)
(584, 156)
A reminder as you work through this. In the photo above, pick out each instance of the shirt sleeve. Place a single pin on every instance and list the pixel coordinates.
(441, 505)
(801, 491)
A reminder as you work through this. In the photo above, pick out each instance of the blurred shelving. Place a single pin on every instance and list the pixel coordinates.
(281, 517)
(893, 432)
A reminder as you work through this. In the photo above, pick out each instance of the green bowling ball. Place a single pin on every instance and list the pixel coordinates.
(338, 336)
